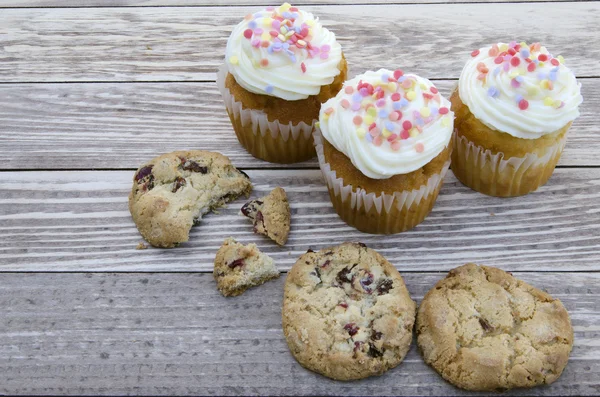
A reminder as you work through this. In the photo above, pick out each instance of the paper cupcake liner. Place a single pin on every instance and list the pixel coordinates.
(267, 140)
(492, 174)
(379, 213)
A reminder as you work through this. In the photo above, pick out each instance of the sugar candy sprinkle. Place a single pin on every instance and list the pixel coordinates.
(382, 114)
(280, 31)
(527, 68)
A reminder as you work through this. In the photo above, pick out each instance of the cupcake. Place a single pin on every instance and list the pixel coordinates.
(513, 106)
(383, 145)
(281, 64)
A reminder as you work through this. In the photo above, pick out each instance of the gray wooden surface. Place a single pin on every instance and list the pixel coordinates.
(111, 126)
(79, 221)
(91, 89)
(172, 334)
(186, 44)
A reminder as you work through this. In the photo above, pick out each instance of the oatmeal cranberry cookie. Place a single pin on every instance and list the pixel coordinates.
(172, 192)
(483, 329)
(347, 313)
(239, 267)
(271, 215)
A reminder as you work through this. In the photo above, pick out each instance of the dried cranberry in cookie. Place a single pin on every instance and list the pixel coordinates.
(347, 313)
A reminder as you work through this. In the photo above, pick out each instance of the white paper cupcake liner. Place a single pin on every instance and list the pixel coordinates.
(492, 174)
(257, 119)
(360, 199)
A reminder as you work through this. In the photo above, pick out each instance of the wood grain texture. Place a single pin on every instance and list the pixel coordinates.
(222, 3)
(174, 334)
(179, 43)
(79, 221)
(87, 126)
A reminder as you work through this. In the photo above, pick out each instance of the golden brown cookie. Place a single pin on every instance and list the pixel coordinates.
(347, 313)
(271, 215)
(172, 192)
(483, 329)
(239, 267)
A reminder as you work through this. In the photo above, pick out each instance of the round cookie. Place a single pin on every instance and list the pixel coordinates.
(347, 313)
(483, 329)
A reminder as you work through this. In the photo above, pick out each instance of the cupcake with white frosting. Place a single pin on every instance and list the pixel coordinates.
(514, 104)
(384, 145)
(281, 64)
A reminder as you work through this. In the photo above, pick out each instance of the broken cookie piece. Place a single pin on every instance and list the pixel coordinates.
(239, 267)
(271, 215)
(172, 192)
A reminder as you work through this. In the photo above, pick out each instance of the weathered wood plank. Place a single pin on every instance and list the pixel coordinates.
(226, 3)
(173, 334)
(87, 126)
(187, 43)
(79, 221)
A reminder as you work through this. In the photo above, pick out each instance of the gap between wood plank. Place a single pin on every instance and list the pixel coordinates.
(241, 168)
(295, 3)
(193, 81)
(283, 272)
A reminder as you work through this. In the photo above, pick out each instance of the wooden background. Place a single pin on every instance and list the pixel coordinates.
(89, 90)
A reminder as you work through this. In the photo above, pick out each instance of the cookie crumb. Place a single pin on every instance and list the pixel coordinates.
(141, 246)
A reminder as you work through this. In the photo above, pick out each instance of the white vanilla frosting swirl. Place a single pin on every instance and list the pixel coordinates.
(387, 123)
(520, 89)
(283, 52)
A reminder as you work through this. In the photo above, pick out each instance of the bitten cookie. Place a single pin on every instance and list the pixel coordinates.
(171, 193)
(239, 267)
(347, 313)
(271, 215)
(483, 329)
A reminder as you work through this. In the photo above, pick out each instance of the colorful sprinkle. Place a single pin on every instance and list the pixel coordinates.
(269, 89)
(493, 92)
(444, 110)
(523, 104)
(233, 60)
(348, 90)
(264, 62)
(345, 104)
(475, 53)
(419, 147)
(357, 120)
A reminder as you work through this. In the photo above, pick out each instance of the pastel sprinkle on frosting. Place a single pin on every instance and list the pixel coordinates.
(377, 125)
(281, 32)
(520, 61)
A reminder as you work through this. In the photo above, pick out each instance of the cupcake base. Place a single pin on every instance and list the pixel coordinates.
(489, 173)
(509, 167)
(270, 128)
(385, 212)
